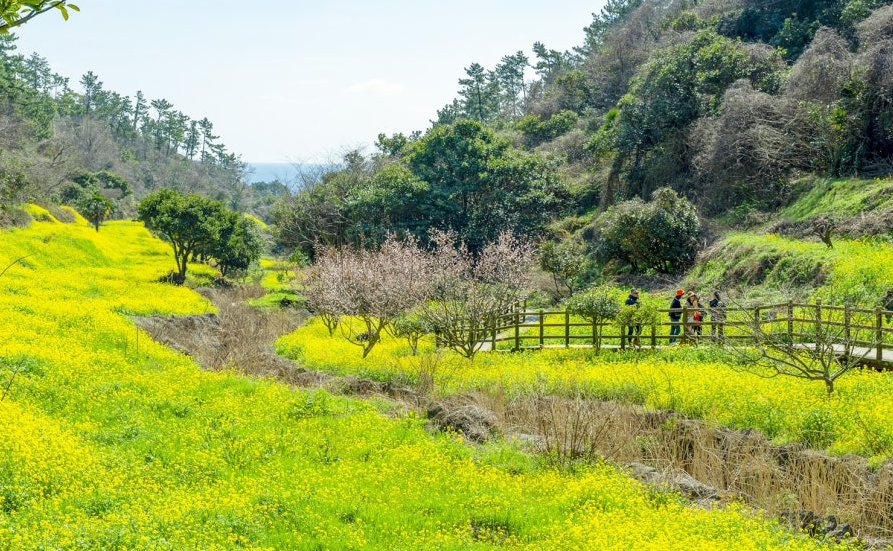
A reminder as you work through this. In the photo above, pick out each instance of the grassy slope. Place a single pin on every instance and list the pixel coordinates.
(110, 444)
(840, 198)
(766, 264)
(858, 271)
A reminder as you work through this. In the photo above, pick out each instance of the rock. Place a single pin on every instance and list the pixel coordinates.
(876, 543)
(362, 387)
(689, 486)
(396, 391)
(829, 524)
(842, 531)
(473, 422)
(642, 472)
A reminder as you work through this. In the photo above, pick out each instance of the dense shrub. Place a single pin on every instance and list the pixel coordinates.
(660, 236)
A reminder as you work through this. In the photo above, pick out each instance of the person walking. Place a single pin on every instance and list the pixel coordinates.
(633, 331)
(695, 315)
(676, 315)
(717, 316)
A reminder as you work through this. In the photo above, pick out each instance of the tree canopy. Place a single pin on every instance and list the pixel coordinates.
(459, 177)
(15, 13)
(196, 225)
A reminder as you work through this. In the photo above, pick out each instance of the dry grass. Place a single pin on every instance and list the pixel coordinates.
(741, 465)
(239, 337)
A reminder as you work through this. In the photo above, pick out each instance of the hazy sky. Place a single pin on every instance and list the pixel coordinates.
(298, 81)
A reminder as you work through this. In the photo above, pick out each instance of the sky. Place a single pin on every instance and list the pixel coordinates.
(293, 81)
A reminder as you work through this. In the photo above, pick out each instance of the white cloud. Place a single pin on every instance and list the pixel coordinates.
(378, 87)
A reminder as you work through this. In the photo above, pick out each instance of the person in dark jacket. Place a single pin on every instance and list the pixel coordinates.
(676, 315)
(717, 316)
(633, 331)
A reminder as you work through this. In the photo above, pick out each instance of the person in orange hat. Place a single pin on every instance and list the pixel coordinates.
(676, 316)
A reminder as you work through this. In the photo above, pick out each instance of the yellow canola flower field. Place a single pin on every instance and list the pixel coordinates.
(111, 441)
(856, 418)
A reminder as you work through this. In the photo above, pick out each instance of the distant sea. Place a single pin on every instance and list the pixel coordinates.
(286, 173)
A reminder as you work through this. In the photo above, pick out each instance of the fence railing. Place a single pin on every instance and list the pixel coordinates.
(866, 331)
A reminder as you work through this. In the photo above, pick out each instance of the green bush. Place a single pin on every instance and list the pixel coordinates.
(660, 236)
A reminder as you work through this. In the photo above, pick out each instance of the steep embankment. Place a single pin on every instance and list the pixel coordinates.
(785, 257)
(111, 441)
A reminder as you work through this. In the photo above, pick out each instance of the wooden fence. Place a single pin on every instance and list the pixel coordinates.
(863, 331)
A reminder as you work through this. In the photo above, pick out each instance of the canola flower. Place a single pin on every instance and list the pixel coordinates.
(857, 418)
(111, 441)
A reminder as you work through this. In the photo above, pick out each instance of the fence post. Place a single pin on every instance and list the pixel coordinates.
(818, 323)
(847, 333)
(757, 324)
(791, 321)
(493, 334)
(567, 329)
(593, 333)
(517, 331)
(653, 335)
(879, 330)
(542, 340)
(684, 321)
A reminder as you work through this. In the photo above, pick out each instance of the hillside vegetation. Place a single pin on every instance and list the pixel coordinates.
(740, 107)
(56, 138)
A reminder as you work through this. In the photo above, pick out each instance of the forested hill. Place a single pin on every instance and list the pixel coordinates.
(60, 142)
(727, 102)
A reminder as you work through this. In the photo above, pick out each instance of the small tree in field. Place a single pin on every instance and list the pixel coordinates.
(95, 207)
(369, 287)
(238, 245)
(595, 306)
(815, 344)
(566, 261)
(472, 293)
(638, 317)
(190, 223)
(321, 290)
(96, 194)
(411, 326)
